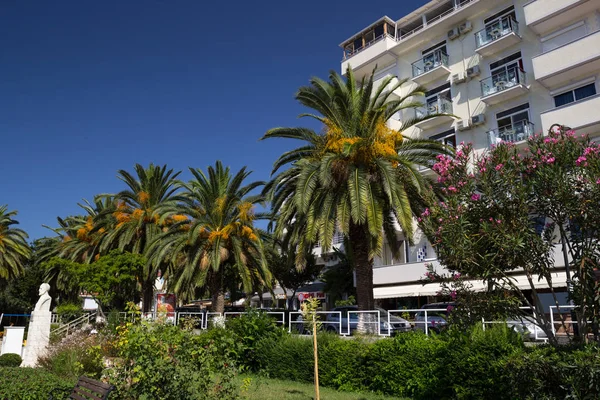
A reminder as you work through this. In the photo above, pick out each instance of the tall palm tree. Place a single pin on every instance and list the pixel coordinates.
(358, 176)
(14, 250)
(137, 217)
(213, 233)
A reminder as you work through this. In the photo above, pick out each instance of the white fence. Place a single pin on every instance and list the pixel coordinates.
(377, 322)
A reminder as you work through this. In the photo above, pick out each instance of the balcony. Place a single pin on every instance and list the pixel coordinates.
(503, 86)
(582, 116)
(579, 58)
(545, 16)
(374, 53)
(517, 132)
(430, 68)
(436, 114)
(497, 36)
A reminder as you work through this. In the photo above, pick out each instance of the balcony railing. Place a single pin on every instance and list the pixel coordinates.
(517, 132)
(496, 30)
(502, 80)
(441, 106)
(350, 53)
(429, 62)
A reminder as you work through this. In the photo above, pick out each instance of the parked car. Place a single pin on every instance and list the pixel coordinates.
(437, 318)
(528, 328)
(332, 321)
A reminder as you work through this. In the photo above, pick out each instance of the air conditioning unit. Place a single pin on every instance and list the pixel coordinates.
(462, 125)
(477, 119)
(473, 71)
(465, 27)
(453, 33)
(458, 78)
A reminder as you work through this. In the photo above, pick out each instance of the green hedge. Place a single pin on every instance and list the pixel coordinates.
(31, 384)
(490, 364)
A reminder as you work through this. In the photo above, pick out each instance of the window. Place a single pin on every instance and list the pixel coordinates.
(513, 124)
(500, 24)
(575, 95)
(448, 138)
(505, 72)
(439, 100)
(433, 56)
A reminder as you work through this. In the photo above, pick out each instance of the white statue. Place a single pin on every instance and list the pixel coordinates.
(43, 304)
(38, 335)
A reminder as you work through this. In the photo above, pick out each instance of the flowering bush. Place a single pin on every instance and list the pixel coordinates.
(507, 209)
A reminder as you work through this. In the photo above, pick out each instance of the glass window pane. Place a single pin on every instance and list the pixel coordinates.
(504, 122)
(562, 99)
(378, 30)
(585, 91)
(520, 117)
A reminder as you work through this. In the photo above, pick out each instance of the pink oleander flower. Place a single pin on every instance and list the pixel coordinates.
(499, 167)
(453, 295)
(550, 160)
(475, 197)
(581, 160)
(426, 213)
(598, 182)
(449, 308)
(452, 189)
(456, 276)
(498, 221)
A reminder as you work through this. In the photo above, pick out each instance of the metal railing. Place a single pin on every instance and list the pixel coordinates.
(502, 80)
(441, 106)
(76, 323)
(431, 61)
(348, 54)
(496, 30)
(516, 132)
(299, 321)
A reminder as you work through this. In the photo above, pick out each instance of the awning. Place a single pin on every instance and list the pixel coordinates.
(559, 279)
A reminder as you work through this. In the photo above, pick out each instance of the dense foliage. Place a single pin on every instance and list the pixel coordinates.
(490, 364)
(32, 384)
(160, 361)
(510, 211)
(10, 360)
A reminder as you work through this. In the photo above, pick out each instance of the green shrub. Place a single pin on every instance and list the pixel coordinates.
(473, 360)
(405, 365)
(10, 360)
(161, 361)
(77, 354)
(31, 384)
(288, 357)
(249, 329)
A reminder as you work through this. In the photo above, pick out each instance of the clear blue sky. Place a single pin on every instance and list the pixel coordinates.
(91, 87)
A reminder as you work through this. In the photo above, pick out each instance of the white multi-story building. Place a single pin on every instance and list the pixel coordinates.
(505, 69)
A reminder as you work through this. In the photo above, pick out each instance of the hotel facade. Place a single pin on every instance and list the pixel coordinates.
(505, 70)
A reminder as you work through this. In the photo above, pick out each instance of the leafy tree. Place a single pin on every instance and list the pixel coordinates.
(213, 233)
(14, 251)
(358, 177)
(111, 280)
(138, 219)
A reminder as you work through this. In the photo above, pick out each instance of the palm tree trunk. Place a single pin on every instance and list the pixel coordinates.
(147, 296)
(217, 292)
(363, 267)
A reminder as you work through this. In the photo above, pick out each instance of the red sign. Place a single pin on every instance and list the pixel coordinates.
(308, 295)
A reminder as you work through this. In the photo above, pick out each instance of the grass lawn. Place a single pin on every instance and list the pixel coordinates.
(261, 388)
